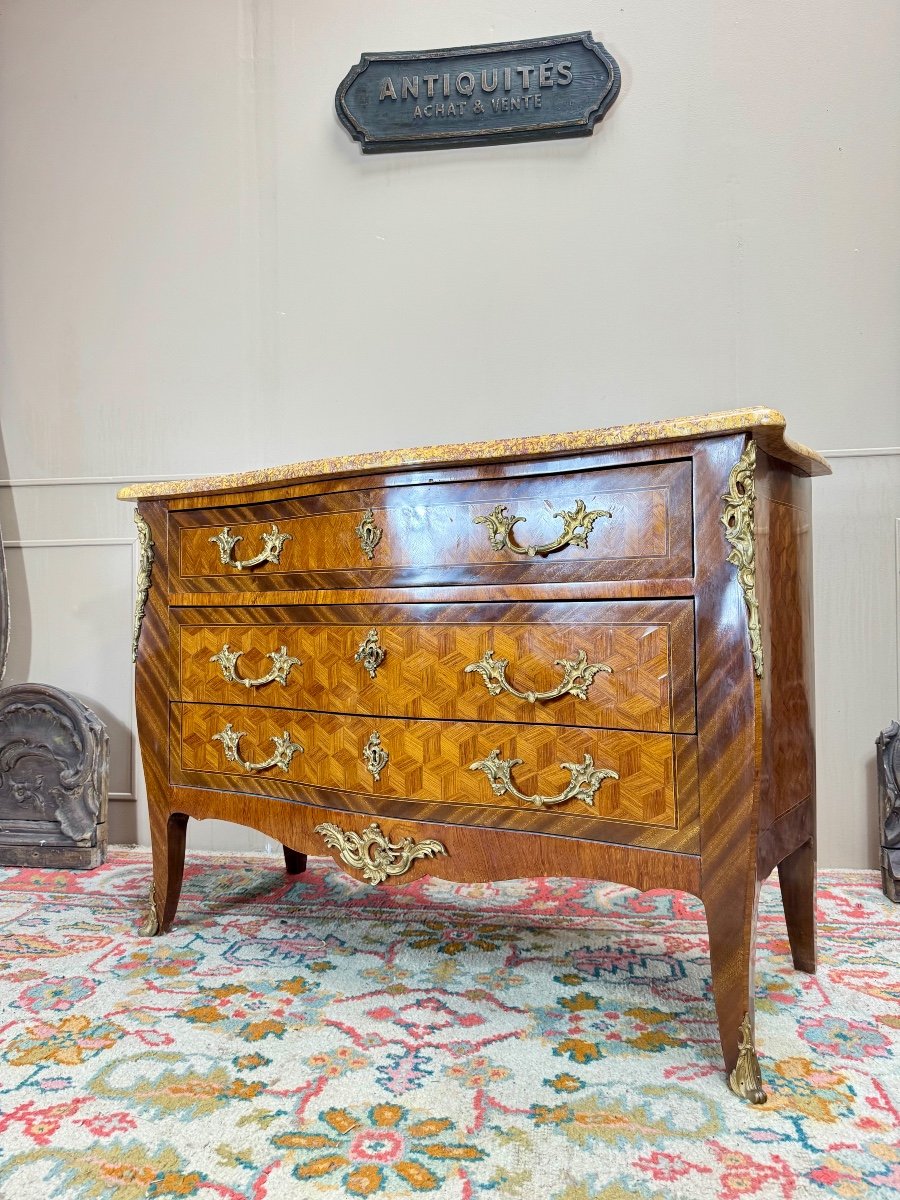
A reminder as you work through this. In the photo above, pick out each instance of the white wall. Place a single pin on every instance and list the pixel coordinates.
(199, 271)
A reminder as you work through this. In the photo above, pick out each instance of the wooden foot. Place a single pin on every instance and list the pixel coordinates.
(731, 917)
(797, 874)
(168, 833)
(294, 861)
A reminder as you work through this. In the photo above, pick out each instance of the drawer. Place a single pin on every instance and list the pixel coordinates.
(619, 523)
(606, 664)
(627, 777)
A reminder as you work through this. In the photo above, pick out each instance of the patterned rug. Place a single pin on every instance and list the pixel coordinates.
(315, 1037)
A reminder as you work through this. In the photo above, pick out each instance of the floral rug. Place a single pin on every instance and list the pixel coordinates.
(310, 1037)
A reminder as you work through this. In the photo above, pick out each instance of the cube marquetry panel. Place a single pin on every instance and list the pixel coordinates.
(423, 674)
(430, 760)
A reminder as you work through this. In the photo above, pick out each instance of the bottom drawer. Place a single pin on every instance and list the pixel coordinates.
(610, 775)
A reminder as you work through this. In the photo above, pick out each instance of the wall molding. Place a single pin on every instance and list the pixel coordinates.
(125, 480)
(91, 480)
(57, 543)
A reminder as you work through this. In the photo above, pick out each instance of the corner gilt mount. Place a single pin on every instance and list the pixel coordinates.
(142, 587)
(738, 521)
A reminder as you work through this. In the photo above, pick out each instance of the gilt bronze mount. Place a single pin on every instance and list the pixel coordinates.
(373, 853)
(578, 675)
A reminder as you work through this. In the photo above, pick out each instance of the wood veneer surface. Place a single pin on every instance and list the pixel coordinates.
(426, 648)
(716, 769)
(431, 533)
(430, 760)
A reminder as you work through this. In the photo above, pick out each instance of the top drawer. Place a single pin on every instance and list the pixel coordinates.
(615, 523)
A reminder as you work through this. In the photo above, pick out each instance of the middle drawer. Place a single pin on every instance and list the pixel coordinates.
(600, 664)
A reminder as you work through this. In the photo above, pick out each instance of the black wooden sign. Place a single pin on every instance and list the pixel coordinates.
(478, 95)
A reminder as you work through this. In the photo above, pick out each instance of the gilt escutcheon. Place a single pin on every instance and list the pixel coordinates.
(375, 756)
(370, 653)
(369, 533)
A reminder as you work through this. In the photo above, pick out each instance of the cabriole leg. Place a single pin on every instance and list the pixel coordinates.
(168, 834)
(732, 952)
(797, 874)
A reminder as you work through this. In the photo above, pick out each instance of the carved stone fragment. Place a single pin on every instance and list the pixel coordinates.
(54, 779)
(888, 769)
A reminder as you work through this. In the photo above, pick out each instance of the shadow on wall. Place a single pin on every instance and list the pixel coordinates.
(13, 587)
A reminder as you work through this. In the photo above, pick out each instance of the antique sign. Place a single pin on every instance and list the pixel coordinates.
(478, 95)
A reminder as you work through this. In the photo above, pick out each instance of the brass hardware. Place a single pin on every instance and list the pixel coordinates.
(151, 924)
(586, 779)
(373, 853)
(370, 653)
(578, 675)
(142, 587)
(285, 750)
(500, 528)
(375, 756)
(738, 521)
(746, 1078)
(369, 533)
(281, 666)
(271, 551)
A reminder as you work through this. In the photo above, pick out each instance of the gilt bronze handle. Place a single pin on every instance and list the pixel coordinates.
(271, 551)
(285, 750)
(577, 524)
(578, 675)
(281, 666)
(586, 779)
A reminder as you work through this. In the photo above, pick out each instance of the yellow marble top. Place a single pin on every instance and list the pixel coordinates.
(765, 424)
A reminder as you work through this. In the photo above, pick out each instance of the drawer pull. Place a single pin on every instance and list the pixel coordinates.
(375, 756)
(578, 675)
(271, 551)
(369, 533)
(372, 851)
(586, 779)
(281, 666)
(370, 653)
(500, 528)
(285, 750)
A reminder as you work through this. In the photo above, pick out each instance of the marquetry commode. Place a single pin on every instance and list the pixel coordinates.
(580, 655)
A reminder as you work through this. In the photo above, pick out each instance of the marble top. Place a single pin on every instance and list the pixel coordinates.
(766, 425)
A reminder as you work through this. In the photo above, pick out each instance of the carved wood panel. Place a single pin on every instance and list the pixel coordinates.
(431, 760)
(423, 652)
